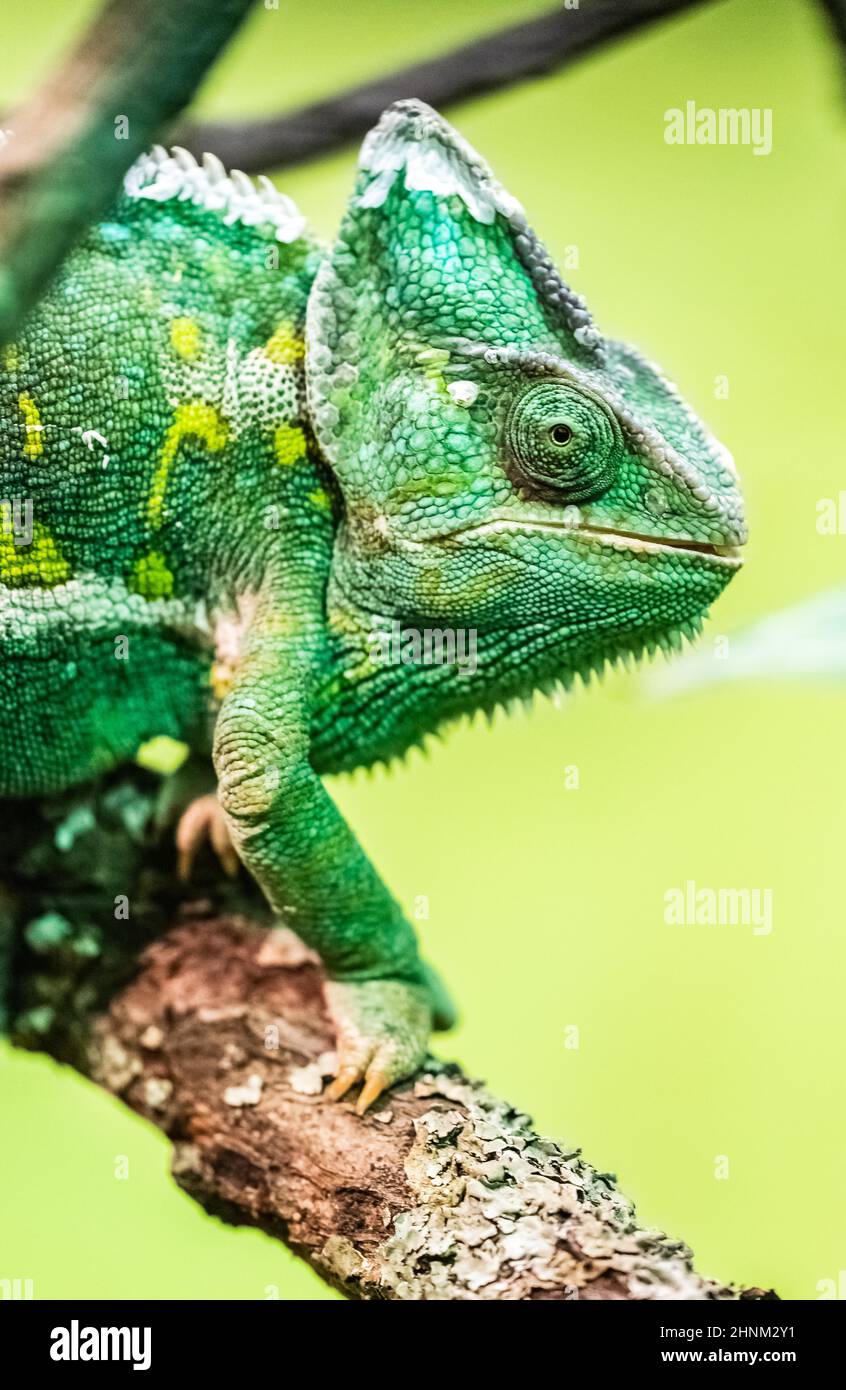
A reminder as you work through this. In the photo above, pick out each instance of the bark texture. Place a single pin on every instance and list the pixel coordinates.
(213, 1027)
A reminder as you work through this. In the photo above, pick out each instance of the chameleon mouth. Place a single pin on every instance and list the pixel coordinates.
(634, 540)
(728, 555)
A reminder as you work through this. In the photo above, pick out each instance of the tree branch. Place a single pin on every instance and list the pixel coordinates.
(139, 64)
(836, 14)
(216, 1032)
(488, 64)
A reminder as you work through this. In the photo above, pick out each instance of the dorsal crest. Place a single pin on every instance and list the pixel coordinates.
(162, 175)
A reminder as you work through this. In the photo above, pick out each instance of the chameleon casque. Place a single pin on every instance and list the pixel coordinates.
(297, 446)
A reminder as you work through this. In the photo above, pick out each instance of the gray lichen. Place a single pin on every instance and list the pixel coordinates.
(340, 1256)
(501, 1213)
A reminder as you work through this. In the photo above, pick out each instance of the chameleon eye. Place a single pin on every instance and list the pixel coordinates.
(563, 439)
(561, 434)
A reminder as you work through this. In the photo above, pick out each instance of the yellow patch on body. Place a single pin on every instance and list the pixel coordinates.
(151, 576)
(198, 420)
(320, 500)
(186, 338)
(11, 361)
(289, 445)
(39, 565)
(162, 754)
(33, 446)
(433, 361)
(285, 347)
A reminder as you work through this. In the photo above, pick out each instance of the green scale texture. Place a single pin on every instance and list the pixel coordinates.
(298, 449)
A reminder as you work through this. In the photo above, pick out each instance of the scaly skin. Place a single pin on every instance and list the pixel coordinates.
(295, 448)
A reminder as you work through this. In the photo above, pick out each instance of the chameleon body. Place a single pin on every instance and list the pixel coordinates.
(246, 457)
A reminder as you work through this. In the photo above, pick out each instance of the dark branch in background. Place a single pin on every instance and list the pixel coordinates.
(215, 1031)
(142, 60)
(836, 10)
(490, 64)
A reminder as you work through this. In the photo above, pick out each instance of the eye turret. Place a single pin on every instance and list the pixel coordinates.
(563, 439)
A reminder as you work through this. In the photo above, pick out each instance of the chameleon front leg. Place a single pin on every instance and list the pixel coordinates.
(294, 841)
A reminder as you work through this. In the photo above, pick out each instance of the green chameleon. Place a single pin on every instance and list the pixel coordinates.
(236, 464)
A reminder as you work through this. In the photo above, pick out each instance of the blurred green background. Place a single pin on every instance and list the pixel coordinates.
(546, 905)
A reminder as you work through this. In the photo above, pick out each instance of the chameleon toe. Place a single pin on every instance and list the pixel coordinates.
(346, 1078)
(202, 820)
(373, 1087)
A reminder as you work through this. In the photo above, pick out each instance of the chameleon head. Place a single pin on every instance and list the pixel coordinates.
(503, 466)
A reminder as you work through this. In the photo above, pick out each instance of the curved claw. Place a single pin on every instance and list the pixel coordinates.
(381, 1031)
(203, 819)
(346, 1078)
(374, 1085)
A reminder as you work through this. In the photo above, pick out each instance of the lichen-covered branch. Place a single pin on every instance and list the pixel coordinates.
(136, 68)
(215, 1031)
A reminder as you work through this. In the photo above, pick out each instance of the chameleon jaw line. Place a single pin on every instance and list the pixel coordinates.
(628, 540)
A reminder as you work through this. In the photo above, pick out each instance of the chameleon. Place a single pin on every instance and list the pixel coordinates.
(235, 458)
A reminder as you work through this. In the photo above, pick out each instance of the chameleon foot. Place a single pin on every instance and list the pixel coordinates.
(202, 820)
(382, 1031)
